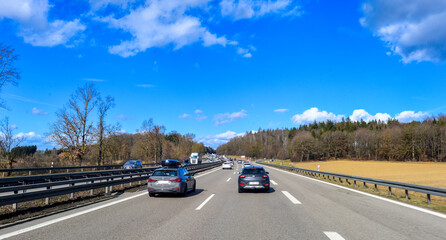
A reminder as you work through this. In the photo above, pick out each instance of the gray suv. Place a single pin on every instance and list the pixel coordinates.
(253, 178)
(171, 179)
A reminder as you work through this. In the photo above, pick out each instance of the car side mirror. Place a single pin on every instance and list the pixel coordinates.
(267, 172)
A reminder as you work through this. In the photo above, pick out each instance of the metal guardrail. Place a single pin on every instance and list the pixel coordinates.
(28, 188)
(390, 184)
(67, 169)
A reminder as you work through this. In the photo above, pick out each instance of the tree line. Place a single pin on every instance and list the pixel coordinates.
(357, 140)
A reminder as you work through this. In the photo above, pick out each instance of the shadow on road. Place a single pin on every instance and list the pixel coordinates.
(271, 190)
(172, 195)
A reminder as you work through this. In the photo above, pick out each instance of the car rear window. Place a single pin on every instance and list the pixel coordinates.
(165, 173)
(254, 171)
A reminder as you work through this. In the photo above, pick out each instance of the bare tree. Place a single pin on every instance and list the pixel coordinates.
(73, 129)
(103, 107)
(9, 74)
(8, 141)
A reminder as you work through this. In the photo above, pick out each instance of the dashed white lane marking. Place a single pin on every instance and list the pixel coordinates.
(292, 199)
(273, 182)
(441, 215)
(334, 236)
(47, 223)
(234, 172)
(205, 201)
(228, 179)
(44, 224)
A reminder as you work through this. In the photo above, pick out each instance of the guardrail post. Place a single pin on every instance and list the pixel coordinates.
(47, 200)
(91, 190)
(72, 194)
(340, 180)
(14, 205)
(111, 187)
(354, 183)
(365, 185)
(122, 185)
(3, 174)
(407, 193)
(68, 170)
(376, 188)
(130, 181)
(428, 199)
(390, 191)
(29, 172)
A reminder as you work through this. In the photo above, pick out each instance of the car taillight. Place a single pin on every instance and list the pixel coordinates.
(265, 176)
(242, 176)
(150, 180)
(176, 180)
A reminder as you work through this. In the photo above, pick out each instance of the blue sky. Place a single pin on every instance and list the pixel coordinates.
(220, 68)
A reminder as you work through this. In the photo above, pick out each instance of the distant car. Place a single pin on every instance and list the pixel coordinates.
(186, 162)
(130, 164)
(226, 165)
(246, 164)
(171, 178)
(253, 178)
(239, 161)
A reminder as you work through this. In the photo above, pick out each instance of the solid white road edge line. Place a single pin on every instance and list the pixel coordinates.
(44, 224)
(292, 199)
(228, 179)
(441, 215)
(273, 182)
(334, 236)
(205, 201)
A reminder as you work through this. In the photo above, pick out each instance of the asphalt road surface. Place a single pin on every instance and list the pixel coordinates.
(296, 208)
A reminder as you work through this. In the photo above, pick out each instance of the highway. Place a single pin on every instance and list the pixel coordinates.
(296, 208)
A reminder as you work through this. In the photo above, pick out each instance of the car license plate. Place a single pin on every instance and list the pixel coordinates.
(253, 183)
(163, 182)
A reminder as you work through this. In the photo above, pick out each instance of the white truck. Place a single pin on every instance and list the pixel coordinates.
(195, 158)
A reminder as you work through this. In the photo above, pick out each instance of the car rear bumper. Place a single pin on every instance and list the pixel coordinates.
(172, 188)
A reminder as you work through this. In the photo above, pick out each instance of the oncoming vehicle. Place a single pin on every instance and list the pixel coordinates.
(226, 165)
(254, 178)
(130, 164)
(171, 178)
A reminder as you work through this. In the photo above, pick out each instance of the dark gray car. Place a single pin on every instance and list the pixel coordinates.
(253, 178)
(171, 180)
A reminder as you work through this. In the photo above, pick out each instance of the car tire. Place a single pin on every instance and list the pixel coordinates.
(267, 190)
(184, 193)
(240, 190)
(151, 194)
(195, 187)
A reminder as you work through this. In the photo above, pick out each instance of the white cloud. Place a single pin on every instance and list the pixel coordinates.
(124, 117)
(160, 23)
(281, 110)
(185, 115)
(216, 140)
(35, 28)
(409, 116)
(359, 114)
(243, 9)
(413, 29)
(313, 114)
(198, 111)
(94, 80)
(37, 111)
(244, 52)
(145, 85)
(224, 118)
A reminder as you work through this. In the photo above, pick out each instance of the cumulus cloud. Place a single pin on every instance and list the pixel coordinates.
(160, 23)
(412, 29)
(362, 114)
(242, 9)
(409, 116)
(37, 111)
(216, 140)
(224, 118)
(313, 114)
(198, 111)
(185, 115)
(281, 110)
(32, 16)
(244, 52)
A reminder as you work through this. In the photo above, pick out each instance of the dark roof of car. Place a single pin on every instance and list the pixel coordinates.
(260, 167)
